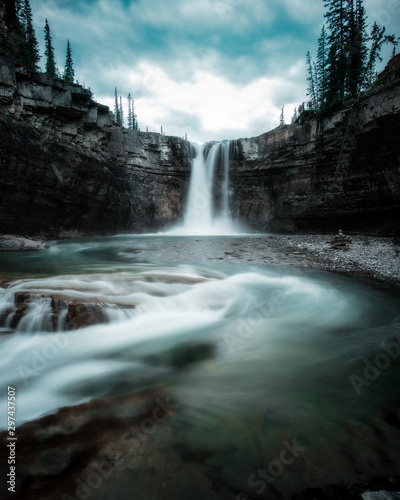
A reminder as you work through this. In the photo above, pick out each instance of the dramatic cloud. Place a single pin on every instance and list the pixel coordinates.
(213, 69)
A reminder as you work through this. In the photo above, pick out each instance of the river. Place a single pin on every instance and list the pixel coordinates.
(281, 378)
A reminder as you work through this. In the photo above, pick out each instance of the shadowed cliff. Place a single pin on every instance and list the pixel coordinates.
(66, 168)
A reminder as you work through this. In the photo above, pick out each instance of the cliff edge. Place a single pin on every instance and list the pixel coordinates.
(67, 169)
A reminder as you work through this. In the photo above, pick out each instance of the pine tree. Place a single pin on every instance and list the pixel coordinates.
(337, 17)
(31, 56)
(12, 13)
(121, 113)
(321, 67)
(134, 117)
(130, 114)
(312, 84)
(356, 46)
(282, 116)
(117, 109)
(16, 35)
(69, 73)
(51, 68)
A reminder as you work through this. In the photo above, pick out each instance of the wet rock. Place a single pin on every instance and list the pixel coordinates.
(58, 312)
(10, 243)
(59, 453)
(22, 302)
(81, 314)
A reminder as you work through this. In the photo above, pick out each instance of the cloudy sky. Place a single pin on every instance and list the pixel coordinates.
(214, 69)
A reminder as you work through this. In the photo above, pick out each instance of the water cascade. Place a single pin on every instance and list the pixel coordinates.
(208, 210)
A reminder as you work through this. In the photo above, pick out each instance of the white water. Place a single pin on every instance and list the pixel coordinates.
(284, 346)
(201, 217)
(67, 368)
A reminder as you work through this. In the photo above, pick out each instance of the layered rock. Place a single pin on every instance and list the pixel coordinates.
(54, 312)
(66, 169)
(341, 171)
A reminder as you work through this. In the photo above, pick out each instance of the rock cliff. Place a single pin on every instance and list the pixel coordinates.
(341, 171)
(67, 169)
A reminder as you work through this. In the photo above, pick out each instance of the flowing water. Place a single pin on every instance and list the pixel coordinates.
(261, 359)
(202, 216)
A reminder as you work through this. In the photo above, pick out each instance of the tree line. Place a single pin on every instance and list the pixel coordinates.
(25, 46)
(25, 50)
(347, 54)
(119, 111)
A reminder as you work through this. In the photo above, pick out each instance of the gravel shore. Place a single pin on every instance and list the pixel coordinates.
(377, 258)
(373, 257)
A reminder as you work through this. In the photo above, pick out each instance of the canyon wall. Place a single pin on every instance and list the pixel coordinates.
(66, 169)
(337, 172)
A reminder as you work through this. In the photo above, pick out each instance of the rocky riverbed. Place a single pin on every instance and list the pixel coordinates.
(372, 257)
(238, 345)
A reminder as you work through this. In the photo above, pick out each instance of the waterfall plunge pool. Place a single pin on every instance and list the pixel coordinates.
(279, 379)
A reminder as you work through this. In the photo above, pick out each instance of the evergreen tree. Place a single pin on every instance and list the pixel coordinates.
(16, 36)
(130, 113)
(378, 38)
(356, 46)
(312, 84)
(282, 116)
(12, 14)
(51, 68)
(121, 113)
(134, 117)
(321, 68)
(117, 109)
(31, 56)
(337, 18)
(69, 73)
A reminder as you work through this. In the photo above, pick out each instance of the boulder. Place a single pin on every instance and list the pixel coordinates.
(10, 243)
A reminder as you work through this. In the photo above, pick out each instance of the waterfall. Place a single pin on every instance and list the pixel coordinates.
(208, 209)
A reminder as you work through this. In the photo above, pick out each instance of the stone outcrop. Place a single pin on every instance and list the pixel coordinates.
(54, 312)
(341, 171)
(11, 243)
(66, 169)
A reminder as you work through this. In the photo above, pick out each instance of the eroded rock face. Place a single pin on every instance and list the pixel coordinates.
(340, 171)
(66, 169)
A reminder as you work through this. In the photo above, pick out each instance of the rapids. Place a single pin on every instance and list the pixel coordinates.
(259, 357)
